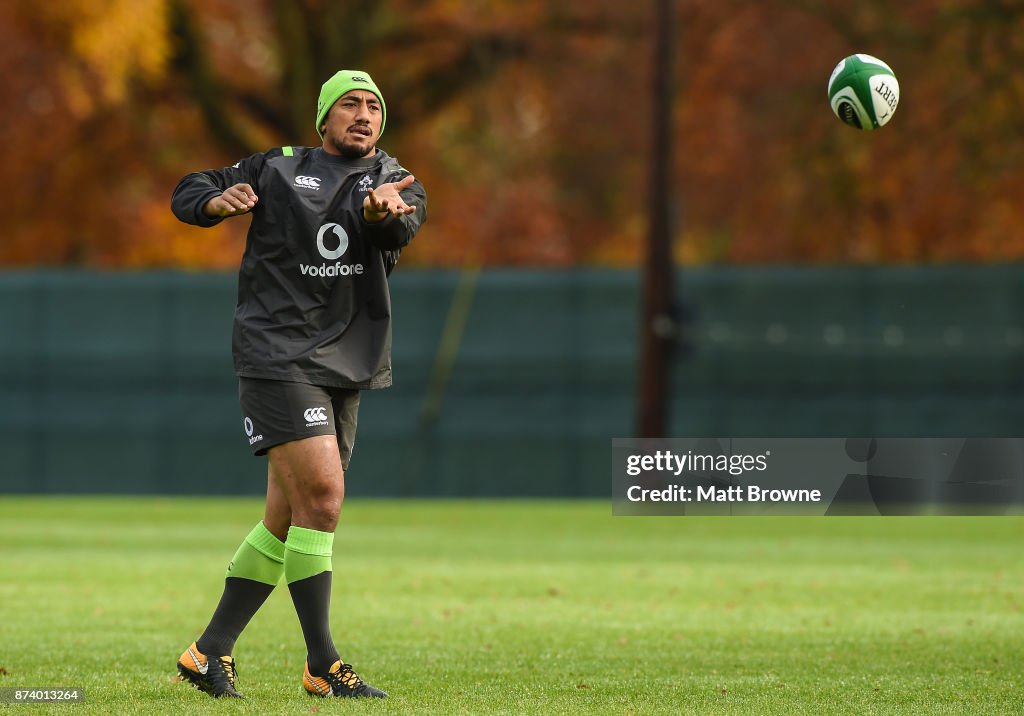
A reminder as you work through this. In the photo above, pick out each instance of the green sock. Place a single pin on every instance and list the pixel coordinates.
(307, 553)
(252, 575)
(307, 569)
(259, 558)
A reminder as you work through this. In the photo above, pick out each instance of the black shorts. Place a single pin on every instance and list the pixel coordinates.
(277, 411)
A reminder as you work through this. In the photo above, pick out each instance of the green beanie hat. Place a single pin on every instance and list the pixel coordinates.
(342, 83)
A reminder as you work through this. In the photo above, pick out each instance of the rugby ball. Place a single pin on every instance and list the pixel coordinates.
(863, 92)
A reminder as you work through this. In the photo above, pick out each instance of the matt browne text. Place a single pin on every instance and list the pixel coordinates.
(710, 493)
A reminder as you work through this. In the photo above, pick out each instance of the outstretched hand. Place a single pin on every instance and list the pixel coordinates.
(235, 200)
(386, 199)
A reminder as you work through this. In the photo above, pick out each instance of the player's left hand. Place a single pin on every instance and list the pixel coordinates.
(386, 199)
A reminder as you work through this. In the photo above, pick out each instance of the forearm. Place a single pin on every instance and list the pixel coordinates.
(392, 232)
(386, 223)
(190, 197)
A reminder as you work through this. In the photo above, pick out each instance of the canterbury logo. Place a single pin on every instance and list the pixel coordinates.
(315, 415)
(307, 182)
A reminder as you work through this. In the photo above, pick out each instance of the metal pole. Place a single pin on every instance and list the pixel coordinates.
(658, 325)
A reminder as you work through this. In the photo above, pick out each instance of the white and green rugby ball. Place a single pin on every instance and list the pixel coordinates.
(863, 92)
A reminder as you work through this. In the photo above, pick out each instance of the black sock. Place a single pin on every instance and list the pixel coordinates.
(312, 599)
(241, 599)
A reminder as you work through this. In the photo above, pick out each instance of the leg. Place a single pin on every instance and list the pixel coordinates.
(309, 477)
(257, 566)
(308, 473)
(252, 574)
(278, 513)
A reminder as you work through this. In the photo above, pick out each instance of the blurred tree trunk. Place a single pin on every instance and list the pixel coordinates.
(657, 327)
(193, 61)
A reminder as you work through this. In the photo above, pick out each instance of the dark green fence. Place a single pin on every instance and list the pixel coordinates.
(122, 382)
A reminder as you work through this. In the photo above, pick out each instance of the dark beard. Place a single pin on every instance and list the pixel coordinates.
(350, 151)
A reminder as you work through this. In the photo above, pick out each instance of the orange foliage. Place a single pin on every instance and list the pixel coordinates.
(528, 122)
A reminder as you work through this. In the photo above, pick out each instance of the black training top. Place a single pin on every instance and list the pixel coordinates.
(313, 299)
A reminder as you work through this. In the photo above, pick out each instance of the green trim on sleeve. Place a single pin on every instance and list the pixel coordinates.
(287, 151)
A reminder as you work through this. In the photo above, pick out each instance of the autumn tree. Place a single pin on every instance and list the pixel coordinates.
(528, 122)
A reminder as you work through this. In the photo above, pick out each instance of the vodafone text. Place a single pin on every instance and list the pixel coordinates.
(329, 270)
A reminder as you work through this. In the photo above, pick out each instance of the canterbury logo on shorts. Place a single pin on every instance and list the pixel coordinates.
(315, 416)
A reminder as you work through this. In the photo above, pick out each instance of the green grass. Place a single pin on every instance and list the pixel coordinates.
(528, 607)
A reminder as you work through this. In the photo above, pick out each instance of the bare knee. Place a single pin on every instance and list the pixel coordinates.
(318, 506)
(309, 473)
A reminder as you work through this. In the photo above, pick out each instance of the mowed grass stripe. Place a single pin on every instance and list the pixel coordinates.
(530, 607)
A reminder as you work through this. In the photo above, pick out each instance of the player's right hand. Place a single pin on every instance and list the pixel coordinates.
(235, 200)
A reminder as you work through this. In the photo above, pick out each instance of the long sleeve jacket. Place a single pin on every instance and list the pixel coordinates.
(313, 299)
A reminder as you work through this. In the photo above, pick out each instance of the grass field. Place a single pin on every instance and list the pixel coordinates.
(528, 607)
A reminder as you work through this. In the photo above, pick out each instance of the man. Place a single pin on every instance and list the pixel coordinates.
(312, 329)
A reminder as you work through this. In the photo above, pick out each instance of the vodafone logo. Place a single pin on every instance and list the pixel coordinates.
(315, 416)
(330, 234)
(249, 430)
(340, 234)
